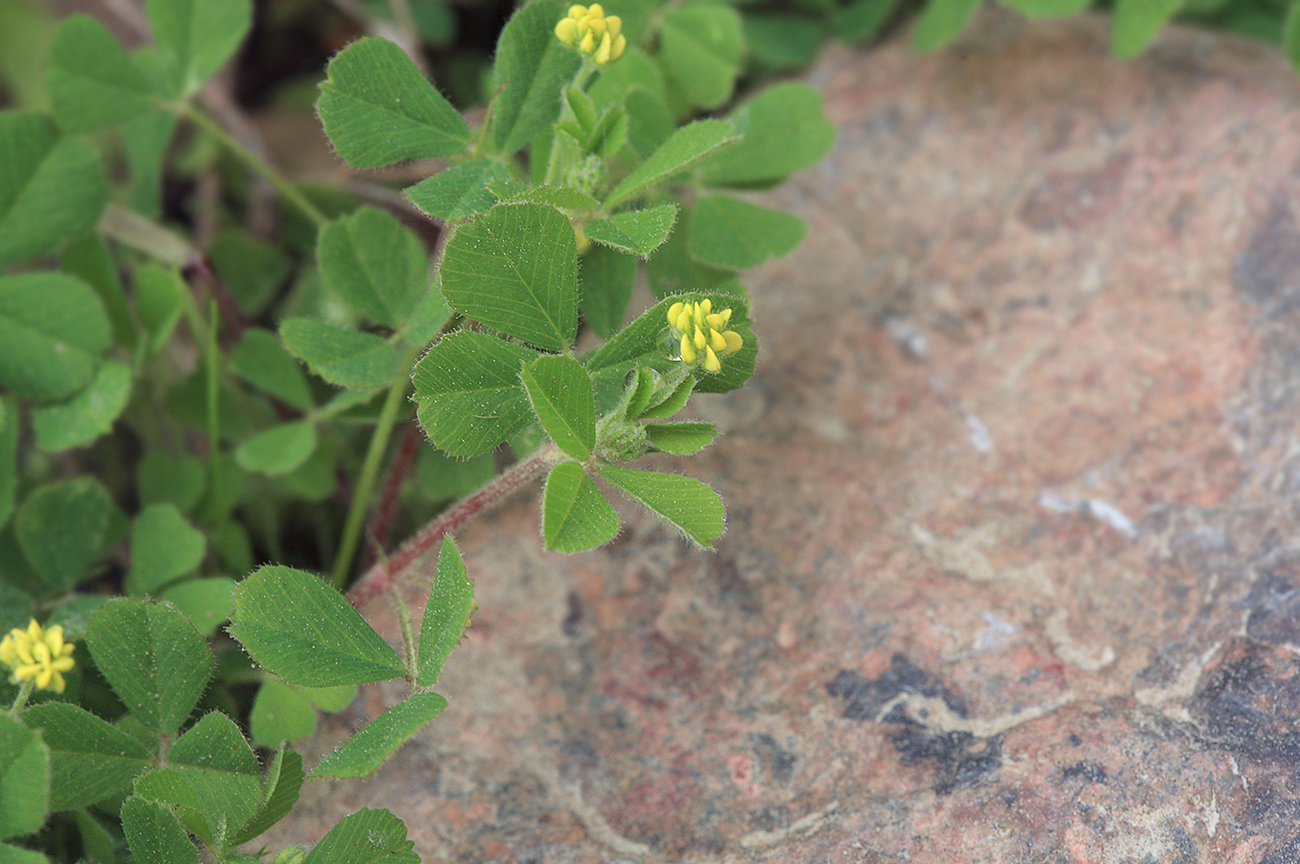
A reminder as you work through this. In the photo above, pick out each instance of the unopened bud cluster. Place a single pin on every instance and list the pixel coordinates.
(702, 334)
(593, 33)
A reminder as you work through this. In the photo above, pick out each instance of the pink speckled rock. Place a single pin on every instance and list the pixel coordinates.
(1011, 572)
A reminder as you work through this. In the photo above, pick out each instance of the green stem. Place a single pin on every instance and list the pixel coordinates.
(370, 473)
(214, 415)
(286, 189)
(205, 334)
(24, 691)
(580, 79)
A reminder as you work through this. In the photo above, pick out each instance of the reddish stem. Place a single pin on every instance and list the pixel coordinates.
(382, 522)
(379, 578)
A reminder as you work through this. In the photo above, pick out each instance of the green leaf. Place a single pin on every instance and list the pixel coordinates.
(164, 548)
(89, 260)
(52, 331)
(634, 71)
(212, 783)
(1290, 38)
(559, 197)
(51, 189)
(431, 314)
(280, 713)
(342, 356)
(278, 450)
(468, 391)
(161, 478)
(86, 416)
(298, 627)
(681, 439)
(330, 699)
(365, 837)
(158, 302)
(90, 759)
(74, 614)
(155, 835)
(261, 360)
(196, 37)
(459, 191)
(685, 147)
(1136, 23)
(531, 70)
(280, 791)
(665, 404)
(374, 264)
(24, 779)
(446, 614)
(91, 81)
(146, 140)
(516, 269)
(783, 41)
(98, 841)
(703, 47)
(317, 478)
(252, 269)
(560, 391)
(671, 270)
(784, 131)
(378, 109)
(153, 658)
(941, 22)
(735, 235)
(206, 602)
(575, 515)
(862, 20)
(639, 232)
(684, 502)
(605, 280)
(17, 855)
(1038, 9)
(8, 458)
(365, 751)
(62, 527)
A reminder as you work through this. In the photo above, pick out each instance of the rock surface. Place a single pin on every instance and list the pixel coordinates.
(1012, 569)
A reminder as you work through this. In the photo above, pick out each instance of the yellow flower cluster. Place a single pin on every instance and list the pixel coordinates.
(39, 655)
(594, 33)
(702, 336)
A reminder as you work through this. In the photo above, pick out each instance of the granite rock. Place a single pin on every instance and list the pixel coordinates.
(1011, 571)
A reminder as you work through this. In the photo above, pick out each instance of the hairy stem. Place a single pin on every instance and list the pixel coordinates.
(382, 522)
(379, 578)
(370, 473)
(286, 189)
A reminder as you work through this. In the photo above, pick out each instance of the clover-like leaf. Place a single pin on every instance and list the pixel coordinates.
(515, 268)
(561, 393)
(298, 627)
(468, 391)
(378, 109)
(446, 614)
(575, 515)
(692, 507)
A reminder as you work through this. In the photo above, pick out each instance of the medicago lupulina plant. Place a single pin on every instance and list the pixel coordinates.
(159, 436)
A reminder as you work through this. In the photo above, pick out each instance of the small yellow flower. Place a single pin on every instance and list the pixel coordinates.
(593, 33)
(38, 655)
(701, 332)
